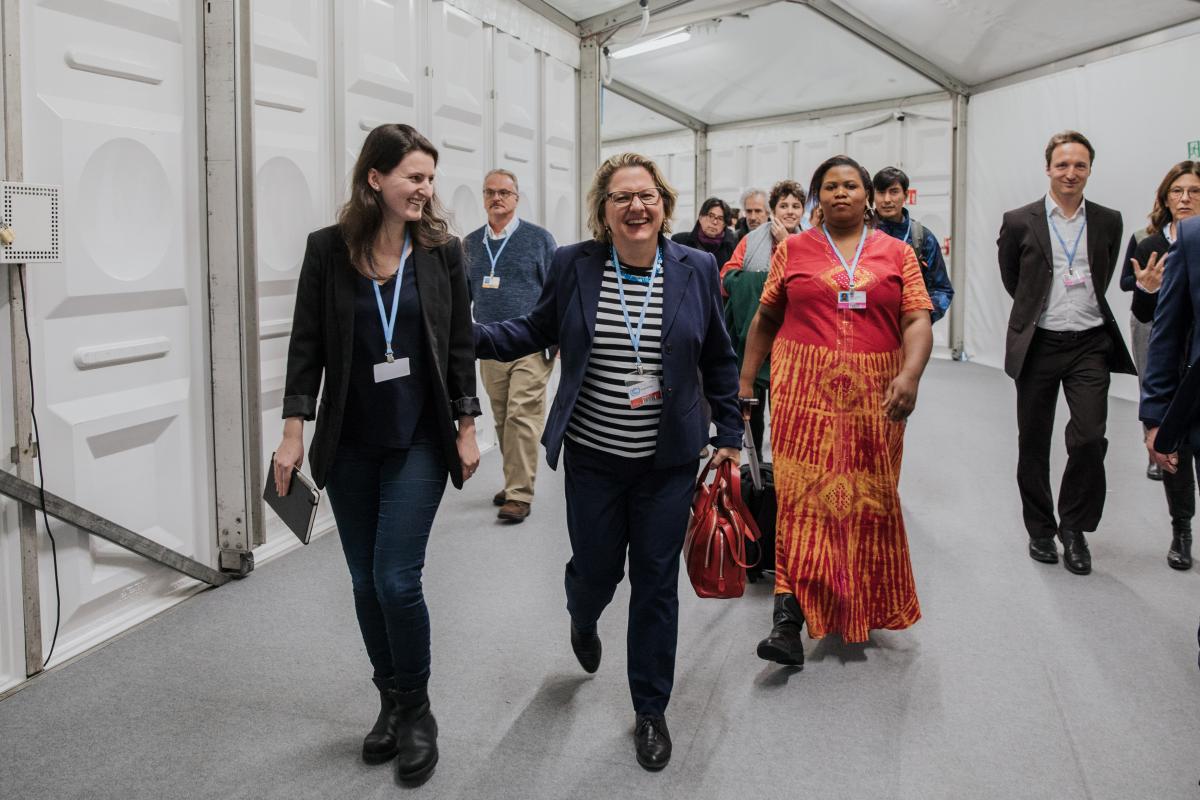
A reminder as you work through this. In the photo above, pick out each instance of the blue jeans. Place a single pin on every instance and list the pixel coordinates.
(384, 500)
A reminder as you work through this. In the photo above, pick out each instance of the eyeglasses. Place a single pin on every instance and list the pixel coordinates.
(1179, 191)
(503, 194)
(718, 218)
(648, 197)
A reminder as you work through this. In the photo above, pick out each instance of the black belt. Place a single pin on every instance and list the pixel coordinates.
(1068, 336)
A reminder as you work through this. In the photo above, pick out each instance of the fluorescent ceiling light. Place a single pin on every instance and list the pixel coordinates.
(677, 36)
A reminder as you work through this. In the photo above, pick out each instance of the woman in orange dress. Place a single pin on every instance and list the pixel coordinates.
(845, 317)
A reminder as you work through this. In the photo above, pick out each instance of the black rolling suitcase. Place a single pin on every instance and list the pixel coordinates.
(758, 493)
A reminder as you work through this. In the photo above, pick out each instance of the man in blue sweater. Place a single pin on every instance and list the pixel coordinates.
(507, 261)
(891, 193)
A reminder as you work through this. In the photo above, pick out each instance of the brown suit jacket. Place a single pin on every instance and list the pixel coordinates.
(1027, 268)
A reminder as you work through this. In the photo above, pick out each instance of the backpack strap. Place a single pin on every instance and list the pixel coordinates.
(917, 242)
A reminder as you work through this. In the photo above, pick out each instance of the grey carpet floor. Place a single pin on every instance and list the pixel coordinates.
(1021, 681)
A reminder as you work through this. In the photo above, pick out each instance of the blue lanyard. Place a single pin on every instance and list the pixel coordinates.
(636, 336)
(1068, 252)
(850, 268)
(488, 247)
(389, 323)
(908, 233)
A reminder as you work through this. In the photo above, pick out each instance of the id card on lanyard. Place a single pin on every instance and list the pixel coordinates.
(391, 367)
(1071, 278)
(641, 387)
(849, 299)
(492, 280)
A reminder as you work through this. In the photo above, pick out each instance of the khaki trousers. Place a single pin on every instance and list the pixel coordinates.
(517, 390)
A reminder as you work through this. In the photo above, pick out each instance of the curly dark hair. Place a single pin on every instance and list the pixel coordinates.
(782, 189)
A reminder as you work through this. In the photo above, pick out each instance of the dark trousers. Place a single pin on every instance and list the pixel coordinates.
(616, 505)
(1180, 488)
(1078, 361)
(384, 500)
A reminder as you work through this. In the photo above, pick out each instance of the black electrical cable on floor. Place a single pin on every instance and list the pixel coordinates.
(37, 437)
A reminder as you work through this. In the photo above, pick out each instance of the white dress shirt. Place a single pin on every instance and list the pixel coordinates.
(509, 229)
(1069, 308)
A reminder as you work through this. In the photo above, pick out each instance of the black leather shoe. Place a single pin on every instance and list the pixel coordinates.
(1180, 554)
(652, 741)
(1076, 556)
(587, 649)
(784, 644)
(380, 744)
(416, 736)
(1043, 550)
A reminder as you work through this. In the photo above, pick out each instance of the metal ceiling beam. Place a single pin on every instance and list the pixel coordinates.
(881, 41)
(1162, 36)
(551, 13)
(657, 106)
(831, 111)
(620, 17)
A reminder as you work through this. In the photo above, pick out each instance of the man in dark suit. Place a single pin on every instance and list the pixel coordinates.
(1057, 256)
(1167, 399)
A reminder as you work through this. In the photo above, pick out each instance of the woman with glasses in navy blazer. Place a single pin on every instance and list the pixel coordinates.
(639, 323)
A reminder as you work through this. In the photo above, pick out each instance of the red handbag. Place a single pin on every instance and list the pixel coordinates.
(715, 547)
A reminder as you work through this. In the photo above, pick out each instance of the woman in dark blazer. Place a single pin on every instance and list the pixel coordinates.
(1177, 198)
(382, 312)
(638, 319)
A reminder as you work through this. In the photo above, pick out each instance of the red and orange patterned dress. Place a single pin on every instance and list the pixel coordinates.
(841, 547)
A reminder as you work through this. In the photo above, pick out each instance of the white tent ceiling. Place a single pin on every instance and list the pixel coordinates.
(789, 56)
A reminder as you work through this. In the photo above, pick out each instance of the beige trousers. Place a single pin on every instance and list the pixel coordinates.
(517, 390)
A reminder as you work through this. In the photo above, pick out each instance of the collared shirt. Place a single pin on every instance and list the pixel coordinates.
(509, 229)
(1069, 308)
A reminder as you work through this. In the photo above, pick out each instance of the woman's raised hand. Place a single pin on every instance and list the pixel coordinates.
(1151, 277)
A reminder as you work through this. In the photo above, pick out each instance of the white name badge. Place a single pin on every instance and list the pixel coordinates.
(852, 301)
(1074, 278)
(390, 370)
(644, 390)
(491, 281)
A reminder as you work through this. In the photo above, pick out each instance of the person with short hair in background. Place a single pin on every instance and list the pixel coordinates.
(1057, 256)
(507, 262)
(638, 318)
(711, 233)
(1177, 199)
(754, 211)
(891, 195)
(743, 278)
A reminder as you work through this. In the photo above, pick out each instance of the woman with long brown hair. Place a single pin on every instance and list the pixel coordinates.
(1177, 198)
(382, 312)
(845, 316)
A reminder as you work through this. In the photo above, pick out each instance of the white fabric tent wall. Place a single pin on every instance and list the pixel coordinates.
(1137, 113)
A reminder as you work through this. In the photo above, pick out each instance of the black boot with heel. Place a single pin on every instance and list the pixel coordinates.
(380, 744)
(784, 644)
(416, 736)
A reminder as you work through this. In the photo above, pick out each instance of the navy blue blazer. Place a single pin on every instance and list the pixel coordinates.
(695, 346)
(1175, 338)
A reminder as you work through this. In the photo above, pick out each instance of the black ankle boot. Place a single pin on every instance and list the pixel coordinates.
(784, 645)
(416, 736)
(1180, 554)
(380, 744)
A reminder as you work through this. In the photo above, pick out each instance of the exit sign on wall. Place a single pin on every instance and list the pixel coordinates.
(1194, 150)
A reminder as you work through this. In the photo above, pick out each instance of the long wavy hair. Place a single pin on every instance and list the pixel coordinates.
(1160, 217)
(814, 188)
(361, 218)
(597, 194)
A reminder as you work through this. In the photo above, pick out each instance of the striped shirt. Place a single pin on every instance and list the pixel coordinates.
(602, 418)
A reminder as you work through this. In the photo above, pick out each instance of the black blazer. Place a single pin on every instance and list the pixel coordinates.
(1027, 268)
(721, 254)
(323, 338)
